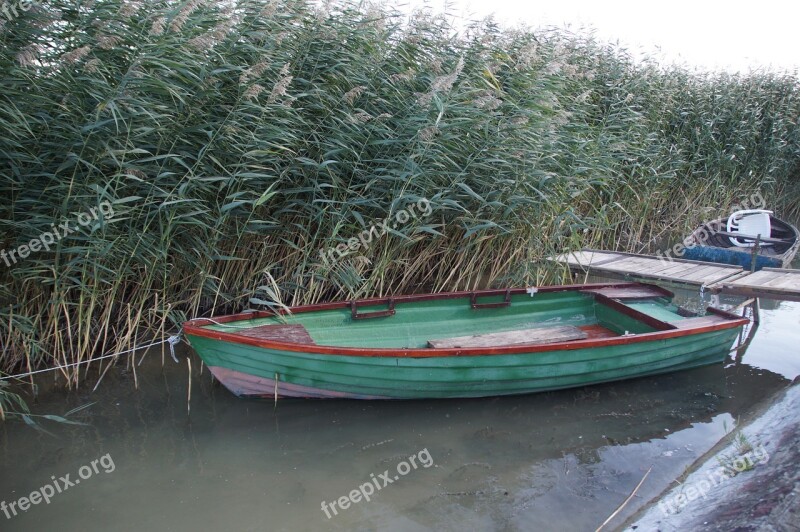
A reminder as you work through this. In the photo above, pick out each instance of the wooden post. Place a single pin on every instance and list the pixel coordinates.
(756, 311)
(754, 256)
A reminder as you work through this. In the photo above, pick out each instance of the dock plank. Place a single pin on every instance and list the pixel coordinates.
(701, 274)
(664, 267)
(691, 272)
(627, 264)
(756, 279)
(589, 258)
(710, 279)
(768, 282)
(779, 284)
(782, 280)
(722, 278)
(678, 270)
(762, 277)
(786, 282)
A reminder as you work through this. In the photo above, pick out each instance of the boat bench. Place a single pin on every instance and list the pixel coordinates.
(296, 334)
(541, 335)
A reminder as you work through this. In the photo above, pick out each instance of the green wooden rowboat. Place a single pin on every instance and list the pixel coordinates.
(463, 344)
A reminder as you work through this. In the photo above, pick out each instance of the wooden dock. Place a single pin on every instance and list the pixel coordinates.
(769, 283)
(716, 278)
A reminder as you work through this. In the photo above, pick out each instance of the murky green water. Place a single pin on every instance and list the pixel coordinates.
(554, 461)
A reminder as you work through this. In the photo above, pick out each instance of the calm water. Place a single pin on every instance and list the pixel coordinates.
(554, 461)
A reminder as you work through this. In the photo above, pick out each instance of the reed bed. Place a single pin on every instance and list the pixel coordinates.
(235, 141)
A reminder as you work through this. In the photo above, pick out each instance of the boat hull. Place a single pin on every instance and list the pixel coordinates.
(252, 371)
(704, 244)
(461, 344)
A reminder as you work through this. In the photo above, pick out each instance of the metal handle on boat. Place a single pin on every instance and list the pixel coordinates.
(367, 315)
(473, 300)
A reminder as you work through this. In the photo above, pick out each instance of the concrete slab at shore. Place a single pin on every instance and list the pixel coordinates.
(751, 482)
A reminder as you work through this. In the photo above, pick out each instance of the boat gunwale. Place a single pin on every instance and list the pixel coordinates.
(669, 331)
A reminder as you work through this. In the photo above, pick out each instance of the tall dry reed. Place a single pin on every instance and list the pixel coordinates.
(235, 142)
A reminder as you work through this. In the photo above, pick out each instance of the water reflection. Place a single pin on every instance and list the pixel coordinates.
(546, 461)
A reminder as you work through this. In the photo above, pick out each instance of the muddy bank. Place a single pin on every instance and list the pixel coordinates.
(750, 481)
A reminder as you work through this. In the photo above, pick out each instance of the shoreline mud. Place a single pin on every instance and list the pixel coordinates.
(749, 481)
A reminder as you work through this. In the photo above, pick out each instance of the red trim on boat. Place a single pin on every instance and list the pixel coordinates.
(193, 328)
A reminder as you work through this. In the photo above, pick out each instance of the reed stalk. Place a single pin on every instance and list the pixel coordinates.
(237, 140)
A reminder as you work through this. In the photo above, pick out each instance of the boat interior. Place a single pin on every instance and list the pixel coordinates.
(473, 319)
(781, 238)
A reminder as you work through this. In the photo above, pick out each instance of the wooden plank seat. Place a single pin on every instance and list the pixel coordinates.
(627, 292)
(542, 335)
(283, 333)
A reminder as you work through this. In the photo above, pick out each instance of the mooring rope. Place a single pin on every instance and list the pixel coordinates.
(172, 341)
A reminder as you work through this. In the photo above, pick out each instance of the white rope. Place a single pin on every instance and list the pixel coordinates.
(172, 340)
